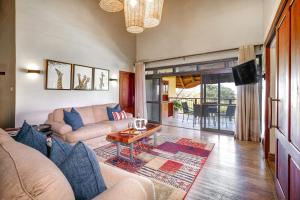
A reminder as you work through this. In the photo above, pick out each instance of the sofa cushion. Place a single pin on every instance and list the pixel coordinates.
(113, 176)
(31, 137)
(119, 115)
(58, 127)
(100, 112)
(80, 166)
(128, 188)
(86, 114)
(73, 119)
(87, 132)
(110, 110)
(4, 137)
(27, 174)
(118, 125)
(58, 114)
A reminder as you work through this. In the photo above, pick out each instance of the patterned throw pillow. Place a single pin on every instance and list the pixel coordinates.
(73, 119)
(31, 137)
(80, 166)
(117, 108)
(119, 115)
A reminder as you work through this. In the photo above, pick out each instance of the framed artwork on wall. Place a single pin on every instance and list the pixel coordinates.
(82, 77)
(58, 75)
(101, 79)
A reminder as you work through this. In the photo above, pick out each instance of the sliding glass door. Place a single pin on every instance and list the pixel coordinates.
(153, 100)
(219, 103)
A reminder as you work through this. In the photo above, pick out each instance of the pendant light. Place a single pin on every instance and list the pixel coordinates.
(111, 5)
(153, 12)
(134, 15)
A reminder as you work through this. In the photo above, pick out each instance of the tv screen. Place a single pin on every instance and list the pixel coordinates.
(245, 73)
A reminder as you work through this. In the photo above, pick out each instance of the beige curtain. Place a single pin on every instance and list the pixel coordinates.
(247, 112)
(140, 90)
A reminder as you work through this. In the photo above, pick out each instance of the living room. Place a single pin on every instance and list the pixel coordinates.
(83, 87)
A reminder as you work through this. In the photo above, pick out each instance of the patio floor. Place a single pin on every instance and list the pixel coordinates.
(209, 122)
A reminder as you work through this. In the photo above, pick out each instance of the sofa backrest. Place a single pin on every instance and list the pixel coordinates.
(27, 174)
(89, 114)
(100, 112)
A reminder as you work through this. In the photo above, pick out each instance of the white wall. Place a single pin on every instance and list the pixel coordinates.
(269, 10)
(74, 31)
(197, 26)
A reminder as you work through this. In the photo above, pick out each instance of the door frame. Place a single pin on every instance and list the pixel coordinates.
(159, 98)
(120, 82)
(267, 46)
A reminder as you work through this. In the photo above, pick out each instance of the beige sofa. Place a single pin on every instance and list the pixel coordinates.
(27, 174)
(95, 120)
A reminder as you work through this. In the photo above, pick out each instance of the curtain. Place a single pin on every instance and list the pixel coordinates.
(247, 112)
(140, 91)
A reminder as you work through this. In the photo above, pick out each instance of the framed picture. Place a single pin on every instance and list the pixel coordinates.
(101, 79)
(58, 75)
(82, 77)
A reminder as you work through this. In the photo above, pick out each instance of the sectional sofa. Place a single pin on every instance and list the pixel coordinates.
(95, 120)
(25, 173)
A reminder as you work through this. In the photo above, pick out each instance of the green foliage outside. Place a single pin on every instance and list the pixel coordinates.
(227, 93)
(177, 105)
(212, 92)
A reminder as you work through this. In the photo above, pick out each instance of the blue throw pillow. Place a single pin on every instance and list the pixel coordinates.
(117, 108)
(80, 166)
(73, 119)
(31, 137)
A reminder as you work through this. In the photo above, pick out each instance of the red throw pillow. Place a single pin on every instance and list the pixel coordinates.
(119, 115)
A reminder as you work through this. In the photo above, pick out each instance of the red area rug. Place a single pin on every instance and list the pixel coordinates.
(172, 165)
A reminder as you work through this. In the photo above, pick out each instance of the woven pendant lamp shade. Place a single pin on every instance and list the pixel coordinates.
(153, 13)
(111, 5)
(134, 15)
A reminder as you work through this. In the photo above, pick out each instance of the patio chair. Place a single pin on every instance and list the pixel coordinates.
(186, 110)
(230, 112)
(211, 111)
(197, 113)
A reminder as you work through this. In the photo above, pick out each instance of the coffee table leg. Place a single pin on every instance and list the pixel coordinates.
(131, 151)
(154, 139)
(118, 149)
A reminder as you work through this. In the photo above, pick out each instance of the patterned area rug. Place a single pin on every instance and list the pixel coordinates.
(172, 165)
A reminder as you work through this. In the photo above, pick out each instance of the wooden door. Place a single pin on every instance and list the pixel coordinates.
(7, 64)
(126, 91)
(294, 137)
(288, 107)
(7, 96)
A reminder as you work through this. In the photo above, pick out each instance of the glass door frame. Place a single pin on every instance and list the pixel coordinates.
(219, 104)
(156, 102)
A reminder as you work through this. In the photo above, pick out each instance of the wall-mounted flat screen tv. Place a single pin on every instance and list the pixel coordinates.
(245, 73)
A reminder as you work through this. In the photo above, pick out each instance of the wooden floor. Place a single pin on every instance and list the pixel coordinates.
(234, 170)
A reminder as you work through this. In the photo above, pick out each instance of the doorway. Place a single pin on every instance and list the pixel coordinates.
(127, 91)
(201, 102)
(198, 96)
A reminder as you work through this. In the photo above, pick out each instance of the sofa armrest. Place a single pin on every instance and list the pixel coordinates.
(129, 115)
(126, 189)
(113, 176)
(59, 128)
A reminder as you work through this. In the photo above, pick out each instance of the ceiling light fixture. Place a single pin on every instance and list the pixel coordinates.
(134, 15)
(153, 12)
(139, 14)
(111, 5)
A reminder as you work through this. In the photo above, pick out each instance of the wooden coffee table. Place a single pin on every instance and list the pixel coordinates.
(121, 138)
